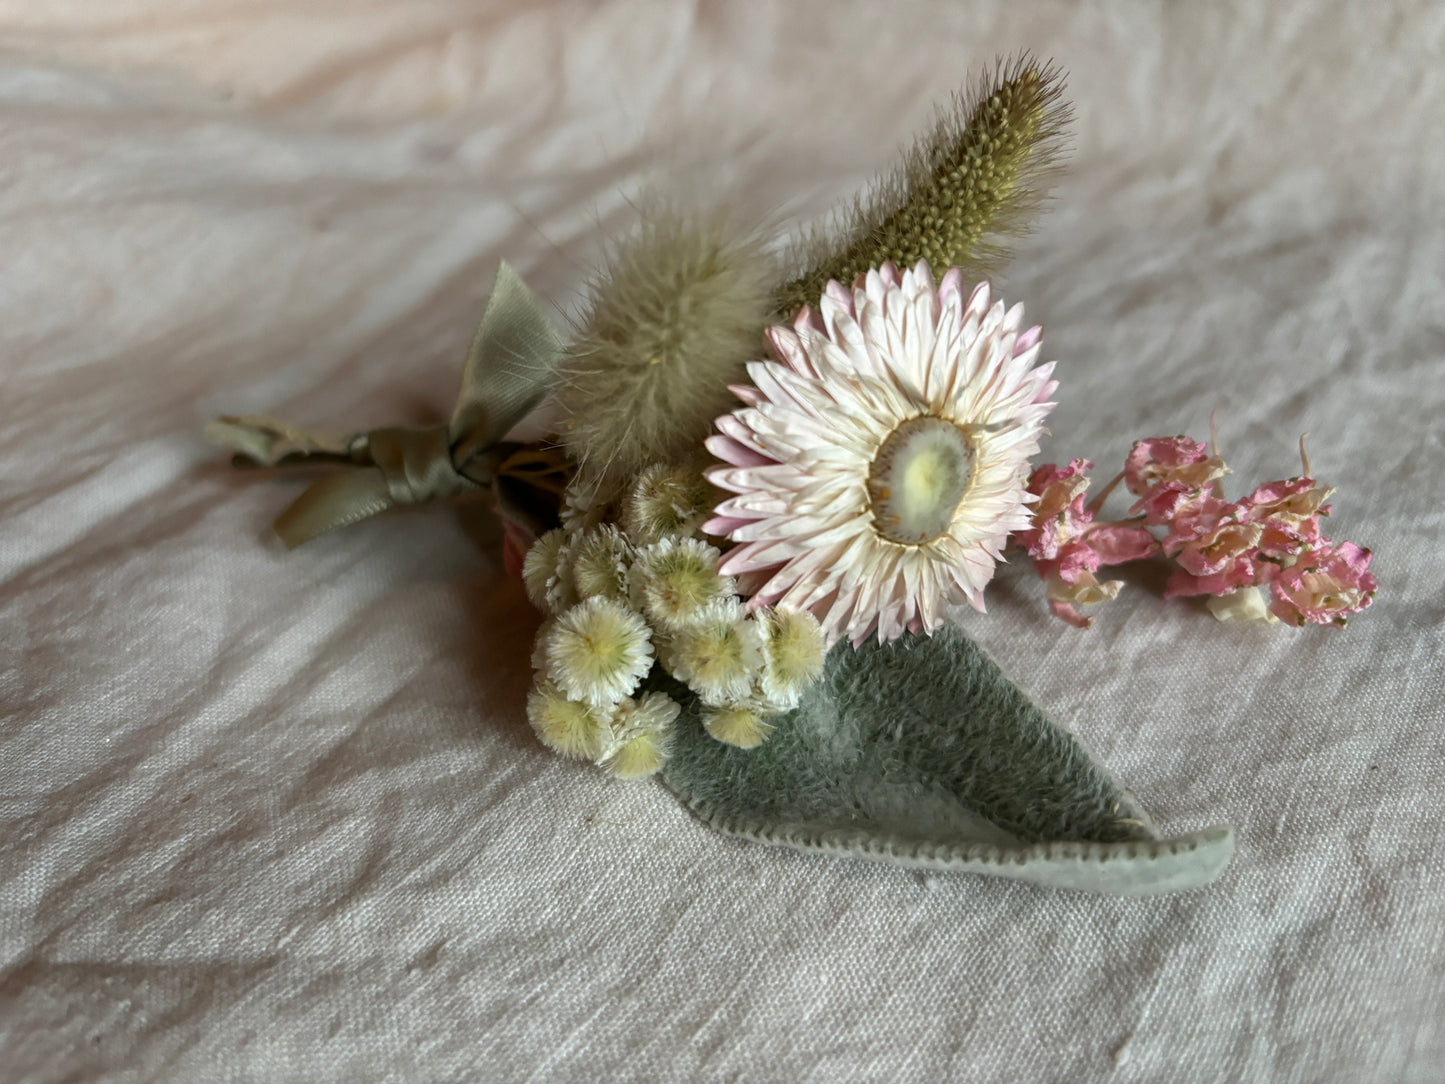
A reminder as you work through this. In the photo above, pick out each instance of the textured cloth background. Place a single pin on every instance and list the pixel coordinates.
(271, 817)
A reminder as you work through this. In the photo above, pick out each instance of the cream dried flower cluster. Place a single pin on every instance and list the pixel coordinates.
(631, 587)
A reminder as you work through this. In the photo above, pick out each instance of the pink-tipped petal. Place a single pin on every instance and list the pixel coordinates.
(734, 452)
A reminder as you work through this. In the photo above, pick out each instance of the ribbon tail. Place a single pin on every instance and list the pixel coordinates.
(509, 367)
(267, 441)
(335, 501)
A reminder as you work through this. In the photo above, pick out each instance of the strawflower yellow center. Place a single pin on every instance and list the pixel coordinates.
(917, 479)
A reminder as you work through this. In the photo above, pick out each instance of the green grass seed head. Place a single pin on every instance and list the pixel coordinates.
(979, 176)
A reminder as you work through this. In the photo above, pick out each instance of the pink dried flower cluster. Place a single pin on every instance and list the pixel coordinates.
(1068, 547)
(1270, 539)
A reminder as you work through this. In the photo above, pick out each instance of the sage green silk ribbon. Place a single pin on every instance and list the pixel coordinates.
(508, 370)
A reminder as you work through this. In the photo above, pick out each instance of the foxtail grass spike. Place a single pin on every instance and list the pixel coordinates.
(978, 177)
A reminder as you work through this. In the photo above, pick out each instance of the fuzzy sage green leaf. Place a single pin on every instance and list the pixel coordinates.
(922, 753)
(977, 177)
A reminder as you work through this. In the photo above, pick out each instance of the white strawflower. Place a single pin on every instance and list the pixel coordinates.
(879, 463)
(639, 735)
(598, 651)
(674, 581)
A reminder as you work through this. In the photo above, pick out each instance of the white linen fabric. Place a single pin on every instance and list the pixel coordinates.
(280, 817)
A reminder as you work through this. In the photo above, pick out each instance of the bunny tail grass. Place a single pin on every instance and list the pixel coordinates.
(670, 322)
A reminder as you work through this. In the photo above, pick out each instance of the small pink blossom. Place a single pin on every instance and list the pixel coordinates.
(1157, 461)
(1075, 561)
(1295, 498)
(1058, 514)
(1163, 504)
(1282, 539)
(1197, 520)
(1068, 587)
(1214, 545)
(1289, 513)
(1117, 544)
(1170, 475)
(1239, 573)
(1324, 586)
(1227, 546)
(1058, 486)
(1067, 547)
(1267, 544)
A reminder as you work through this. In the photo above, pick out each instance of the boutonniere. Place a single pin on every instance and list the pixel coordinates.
(776, 492)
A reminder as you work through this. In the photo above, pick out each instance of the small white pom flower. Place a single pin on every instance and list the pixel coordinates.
(640, 735)
(547, 572)
(567, 726)
(598, 651)
(667, 501)
(720, 654)
(794, 650)
(585, 503)
(743, 725)
(674, 581)
(600, 562)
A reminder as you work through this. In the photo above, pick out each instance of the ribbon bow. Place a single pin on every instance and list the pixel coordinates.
(508, 369)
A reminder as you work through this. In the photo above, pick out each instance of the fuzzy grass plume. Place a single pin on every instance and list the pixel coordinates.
(670, 323)
(978, 177)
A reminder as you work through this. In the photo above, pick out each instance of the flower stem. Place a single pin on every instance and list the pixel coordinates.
(1103, 494)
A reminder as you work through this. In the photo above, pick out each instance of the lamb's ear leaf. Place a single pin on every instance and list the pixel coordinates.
(922, 753)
